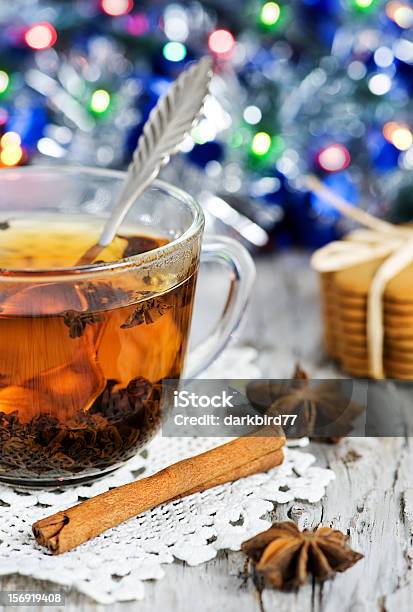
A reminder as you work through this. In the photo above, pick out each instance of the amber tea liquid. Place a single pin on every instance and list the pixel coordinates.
(81, 363)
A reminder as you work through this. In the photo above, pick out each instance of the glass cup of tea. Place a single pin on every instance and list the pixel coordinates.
(84, 349)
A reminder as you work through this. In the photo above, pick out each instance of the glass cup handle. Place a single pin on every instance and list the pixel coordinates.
(236, 259)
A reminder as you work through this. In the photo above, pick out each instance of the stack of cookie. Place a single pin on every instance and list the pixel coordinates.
(344, 301)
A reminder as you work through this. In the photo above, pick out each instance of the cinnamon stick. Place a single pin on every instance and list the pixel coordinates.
(236, 459)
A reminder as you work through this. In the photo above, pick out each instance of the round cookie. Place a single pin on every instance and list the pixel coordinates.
(356, 343)
(394, 355)
(356, 331)
(401, 309)
(399, 356)
(359, 348)
(352, 327)
(352, 316)
(355, 371)
(396, 369)
(357, 281)
(393, 319)
(404, 322)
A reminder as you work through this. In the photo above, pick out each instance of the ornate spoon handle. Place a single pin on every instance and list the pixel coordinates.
(169, 122)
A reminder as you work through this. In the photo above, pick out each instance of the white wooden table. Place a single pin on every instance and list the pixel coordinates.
(371, 498)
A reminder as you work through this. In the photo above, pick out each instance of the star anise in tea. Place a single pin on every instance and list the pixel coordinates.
(147, 312)
(284, 557)
(324, 412)
(77, 321)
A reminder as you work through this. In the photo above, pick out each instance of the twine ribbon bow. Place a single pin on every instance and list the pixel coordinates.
(380, 240)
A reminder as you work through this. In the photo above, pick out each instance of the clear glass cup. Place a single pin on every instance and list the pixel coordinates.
(84, 349)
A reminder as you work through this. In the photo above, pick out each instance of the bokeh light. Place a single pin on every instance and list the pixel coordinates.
(4, 116)
(4, 81)
(364, 5)
(402, 138)
(176, 23)
(401, 13)
(221, 42)
(383, 57)
(403, 50)
(389, 128)
(356, 70)
(116, 8)
(333, 158)
(380, 84)
(204, 132)
(40, 36)
(11, 155)
(270, 13)
(261, 144)
(399, 135)
(252, 115)
(10, 138)
(137, 25)
(100, 101)
(174, 51)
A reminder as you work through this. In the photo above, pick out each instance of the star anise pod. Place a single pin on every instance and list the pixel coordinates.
(324, 412)
(147, 312)
(77, 321)
(284, 556)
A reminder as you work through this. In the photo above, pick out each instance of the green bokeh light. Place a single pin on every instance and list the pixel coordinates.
(4, 81)
(364, 5)
(261, 144)
(100, 101)
(270, 13)
(174, 51)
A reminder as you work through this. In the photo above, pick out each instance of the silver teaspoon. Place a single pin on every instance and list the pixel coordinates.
(168, 124)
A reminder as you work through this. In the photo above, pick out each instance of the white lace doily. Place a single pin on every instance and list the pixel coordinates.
(113, 566)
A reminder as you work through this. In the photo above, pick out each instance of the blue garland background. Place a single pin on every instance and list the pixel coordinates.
(318, 86)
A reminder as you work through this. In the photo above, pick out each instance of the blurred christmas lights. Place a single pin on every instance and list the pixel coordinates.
(176, 23)
(4, 81)
(402, 138)
(40, 36)
(221, 42)
(327, 101)
(356, 70)
(401, 13)
(10, 138)
(100, 101)
(174, 51)
(261, 144)
(252, 115)
(403, 50)
(204, 132)
(116, 8)
(11, 154)
(364, 5)
(270, 13)
(388, 129)
(333, 158)
(380, 84)
(137, 24)
(383, 57)
(399, 135)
